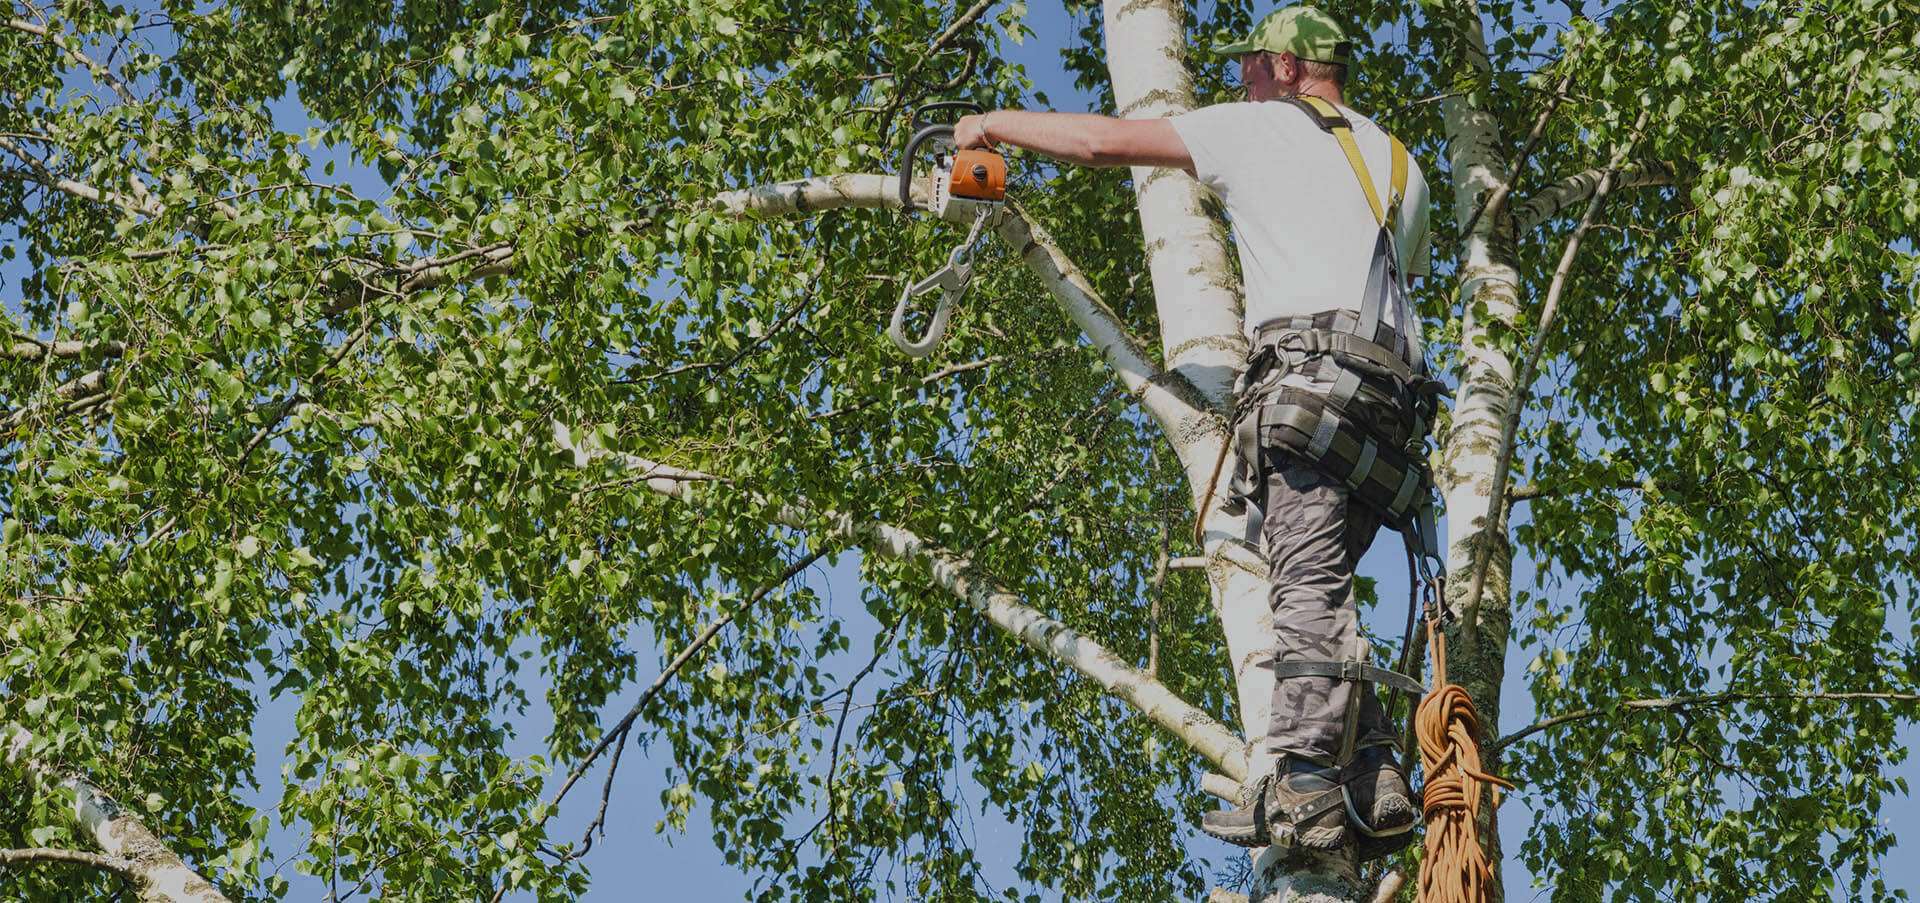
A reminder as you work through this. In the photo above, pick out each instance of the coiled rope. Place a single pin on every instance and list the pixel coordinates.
(1456, 869)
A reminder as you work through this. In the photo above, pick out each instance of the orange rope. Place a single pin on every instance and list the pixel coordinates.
(1456, 869)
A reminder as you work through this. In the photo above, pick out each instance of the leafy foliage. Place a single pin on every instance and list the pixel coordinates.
(319, 460)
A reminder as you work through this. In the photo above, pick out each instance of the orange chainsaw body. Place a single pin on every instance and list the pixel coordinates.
(978, 175)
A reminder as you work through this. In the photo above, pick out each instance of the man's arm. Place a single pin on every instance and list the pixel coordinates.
(1088, 139)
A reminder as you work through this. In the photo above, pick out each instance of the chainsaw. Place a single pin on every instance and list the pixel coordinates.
(964, 180)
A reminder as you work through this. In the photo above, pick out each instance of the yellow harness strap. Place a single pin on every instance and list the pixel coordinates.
(1329, 113)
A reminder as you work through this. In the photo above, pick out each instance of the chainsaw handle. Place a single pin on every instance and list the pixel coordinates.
(925, 134)
(920, 120)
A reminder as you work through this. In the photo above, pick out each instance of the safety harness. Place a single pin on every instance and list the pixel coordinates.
(1361, 417)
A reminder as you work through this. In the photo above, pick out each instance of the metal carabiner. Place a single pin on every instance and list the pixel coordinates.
(952, 281)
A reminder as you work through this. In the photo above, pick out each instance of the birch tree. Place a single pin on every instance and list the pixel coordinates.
(580, 393)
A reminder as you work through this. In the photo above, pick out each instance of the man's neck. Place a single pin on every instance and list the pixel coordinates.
(1323, 91)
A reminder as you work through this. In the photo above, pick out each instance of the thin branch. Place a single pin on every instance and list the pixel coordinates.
(1497, 508)
(125, 868)
(928, 380)
(1683, 702)
(616, 737)
(960, 23)
(957, 574)
(99, 71)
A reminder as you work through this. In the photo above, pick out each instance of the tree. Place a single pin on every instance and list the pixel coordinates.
(604, 364)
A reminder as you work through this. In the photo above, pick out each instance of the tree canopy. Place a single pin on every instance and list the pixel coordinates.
(572, 401)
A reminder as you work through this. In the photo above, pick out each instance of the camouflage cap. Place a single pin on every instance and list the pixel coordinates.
(1303, 31)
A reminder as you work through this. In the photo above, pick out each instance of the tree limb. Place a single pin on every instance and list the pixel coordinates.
(46, 176)
(1497, 201)
(1681, 702)
(1004, 609)
(162, 875)
(31, 349)
(1168, 397)
(1547, 203)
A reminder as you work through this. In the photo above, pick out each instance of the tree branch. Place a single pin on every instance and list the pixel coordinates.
(31, 349)
(46, 176)
(1004, 609)
(1168, 397)
(162, 874)
(122, 867)
(1497, 201)
(1547, 203)
(1682, 702)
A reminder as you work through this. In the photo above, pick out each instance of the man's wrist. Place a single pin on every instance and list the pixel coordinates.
(986, 127)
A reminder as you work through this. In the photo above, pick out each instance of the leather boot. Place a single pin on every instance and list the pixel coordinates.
(1381, 806)
(1303, 808)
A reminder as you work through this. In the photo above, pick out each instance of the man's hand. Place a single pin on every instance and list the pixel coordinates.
(971, 131)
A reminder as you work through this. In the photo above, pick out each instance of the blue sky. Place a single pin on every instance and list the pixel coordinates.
(634, 861)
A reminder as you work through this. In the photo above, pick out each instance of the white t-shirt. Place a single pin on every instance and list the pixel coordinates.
(1303, 226)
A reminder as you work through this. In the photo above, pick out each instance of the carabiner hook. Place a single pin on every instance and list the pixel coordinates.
(952, 281)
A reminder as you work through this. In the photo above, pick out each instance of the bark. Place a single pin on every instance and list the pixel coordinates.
(159, 874)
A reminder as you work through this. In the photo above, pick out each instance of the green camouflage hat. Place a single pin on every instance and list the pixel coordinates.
(1303, 31)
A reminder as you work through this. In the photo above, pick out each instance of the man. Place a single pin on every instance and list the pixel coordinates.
(1307, 235)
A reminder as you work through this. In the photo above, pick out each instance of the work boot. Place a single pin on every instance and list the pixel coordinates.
(1246, 823)
(1383, 809)
(1302, 808)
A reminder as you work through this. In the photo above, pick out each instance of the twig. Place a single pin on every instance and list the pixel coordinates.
(619, 732)
(1681, 702)
(846, 706)
(1496, 508)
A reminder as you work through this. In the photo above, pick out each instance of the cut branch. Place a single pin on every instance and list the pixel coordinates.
(1004, 609)
(1682, 702)
(1548, 202)
(1168, 397)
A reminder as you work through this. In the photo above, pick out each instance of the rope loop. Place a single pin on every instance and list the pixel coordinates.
(1448, 730)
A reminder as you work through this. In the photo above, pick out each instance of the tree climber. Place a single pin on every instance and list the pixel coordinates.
(1332, 406)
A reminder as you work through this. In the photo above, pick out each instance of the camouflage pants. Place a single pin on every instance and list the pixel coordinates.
(1314, 534)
